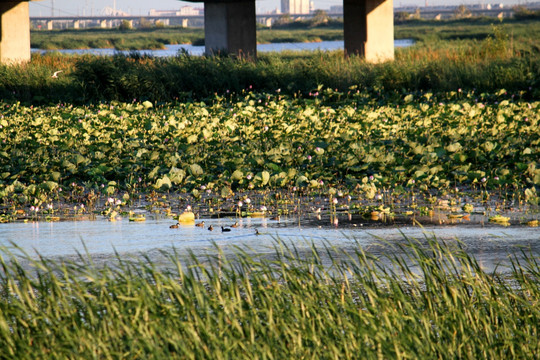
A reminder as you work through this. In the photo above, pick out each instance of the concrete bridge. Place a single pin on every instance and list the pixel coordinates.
(368, 27)
(230, 27)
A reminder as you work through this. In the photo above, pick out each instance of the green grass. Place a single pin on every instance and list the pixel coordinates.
(486, 68)
(285, 306)
(155, 38)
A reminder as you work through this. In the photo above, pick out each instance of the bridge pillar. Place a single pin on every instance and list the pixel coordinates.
(14, 32)
(368, 29)
(103, 24)
(230, 27)
(76, 24)
(185, 23)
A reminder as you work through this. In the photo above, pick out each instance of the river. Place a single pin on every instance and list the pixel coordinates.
(173, 50)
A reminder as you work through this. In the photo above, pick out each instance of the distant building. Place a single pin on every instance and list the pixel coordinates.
(295, 6)
(184, 11)
(189, 10)
(336, 9)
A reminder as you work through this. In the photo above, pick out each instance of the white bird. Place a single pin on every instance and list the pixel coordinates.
(55, 75)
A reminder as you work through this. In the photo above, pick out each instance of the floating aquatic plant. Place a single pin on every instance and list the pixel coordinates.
(474, 141)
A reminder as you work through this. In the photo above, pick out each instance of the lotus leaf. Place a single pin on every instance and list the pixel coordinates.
(356, 136)
(196, 170)
(176, 175)
(153, 174)
(237, 175)
(49, 185)
(226, 192)
(163, 183)
(499, 219)
(186, 217)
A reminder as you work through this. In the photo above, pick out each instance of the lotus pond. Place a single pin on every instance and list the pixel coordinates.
(353, 151)
(331, 159)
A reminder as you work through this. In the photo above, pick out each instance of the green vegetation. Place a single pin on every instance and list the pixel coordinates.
(272, 141)
(124, 78)
(454, 123)
(461, 54)
(519, 35)
(157, 38)
(460, 114)
(291, 307)
(125, 39)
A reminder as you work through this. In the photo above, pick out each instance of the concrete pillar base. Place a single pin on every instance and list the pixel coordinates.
(14, 32)
(230, 28)
(368, 28)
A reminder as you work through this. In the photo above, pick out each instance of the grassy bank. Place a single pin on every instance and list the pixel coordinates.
(155, 38)
(289, 307)
(485, 68)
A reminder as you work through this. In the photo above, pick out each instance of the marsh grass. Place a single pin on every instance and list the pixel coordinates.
(433, 302)
(128, 77)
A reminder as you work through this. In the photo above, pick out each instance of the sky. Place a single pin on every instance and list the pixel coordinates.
(141, 7)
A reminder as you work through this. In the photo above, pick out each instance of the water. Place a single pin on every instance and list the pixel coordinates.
(172, 50)
(490, 245)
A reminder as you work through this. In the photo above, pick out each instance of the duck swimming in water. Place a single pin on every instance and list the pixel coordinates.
(210, 228)
(201, 224)
(175, 226)
(223, 229)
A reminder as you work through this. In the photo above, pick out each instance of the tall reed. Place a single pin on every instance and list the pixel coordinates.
(433, 302)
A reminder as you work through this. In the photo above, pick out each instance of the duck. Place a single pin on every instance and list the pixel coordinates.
(175, 226)
(257, 232)
(224, 229)
(235, 225)
(210, 228)
(201, 224)
(276, 218)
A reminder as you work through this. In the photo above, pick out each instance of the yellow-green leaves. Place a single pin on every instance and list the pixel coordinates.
(196, 170)
(277, 140)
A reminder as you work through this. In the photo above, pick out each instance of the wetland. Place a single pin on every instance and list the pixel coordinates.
(389, 210)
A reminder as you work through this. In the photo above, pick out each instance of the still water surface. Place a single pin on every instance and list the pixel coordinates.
(490, 244)
(173, 50)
